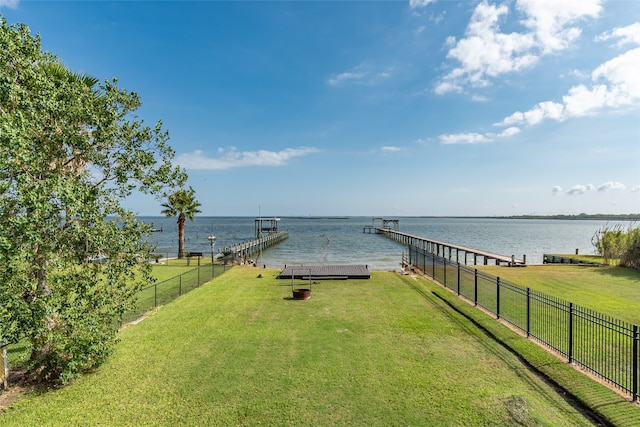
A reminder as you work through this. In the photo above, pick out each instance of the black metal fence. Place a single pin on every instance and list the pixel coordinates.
(167, 290)
(604, 346)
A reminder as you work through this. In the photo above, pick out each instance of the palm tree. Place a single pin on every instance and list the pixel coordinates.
(183, 204)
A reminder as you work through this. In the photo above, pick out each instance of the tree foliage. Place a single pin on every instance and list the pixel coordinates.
(184, 205)
(70, 255)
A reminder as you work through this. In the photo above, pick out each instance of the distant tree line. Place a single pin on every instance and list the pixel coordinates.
(583, 216)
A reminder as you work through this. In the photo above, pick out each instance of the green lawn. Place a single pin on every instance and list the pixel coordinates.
(174, 267)
(384, 351)
(613, 291)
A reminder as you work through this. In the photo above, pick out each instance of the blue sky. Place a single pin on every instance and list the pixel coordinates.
(384, 108)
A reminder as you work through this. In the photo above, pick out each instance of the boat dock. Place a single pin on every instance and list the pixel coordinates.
(246, 249)
(447, 250)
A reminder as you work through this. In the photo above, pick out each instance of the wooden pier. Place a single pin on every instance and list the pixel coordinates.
(244, 250)
(448, 250)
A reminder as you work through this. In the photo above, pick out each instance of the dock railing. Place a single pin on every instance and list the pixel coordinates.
(454, 251)
(604, 346)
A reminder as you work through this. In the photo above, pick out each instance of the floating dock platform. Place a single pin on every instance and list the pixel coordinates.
(325, 272)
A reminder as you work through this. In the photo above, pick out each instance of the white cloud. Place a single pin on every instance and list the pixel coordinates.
(438, 18)
(363, 74)
(450, 41)
(550, 20)
(581, 189)
(476, 138)
(635, 189)
(611, 186)
(11, 4)
(615, 84)
(577, 189)
(338, 79)
(509, 132)
(582, 100)
(391, 149)
(536, 115)
(464, 138)
(487, 52)
(479, 98)
(232, 158)
(622, 73)
(418, 4)
(556, 190)
(628, 34)
(445, 87)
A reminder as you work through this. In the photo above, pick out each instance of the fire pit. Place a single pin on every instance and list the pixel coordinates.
(301, 293)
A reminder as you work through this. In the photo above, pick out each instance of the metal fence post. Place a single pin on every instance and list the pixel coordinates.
(570, 352)
(634, 364)
(180, 279)
(155, 296)
(433, 266)
(528, 311)
(444, 272)
(498, 297)
(198, 276)
(475, 286)
(458, 276)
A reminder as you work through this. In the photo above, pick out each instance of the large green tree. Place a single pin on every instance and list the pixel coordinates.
(184, 205)
(72, 149)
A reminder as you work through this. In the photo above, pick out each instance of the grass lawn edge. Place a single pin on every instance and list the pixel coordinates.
(607, 405)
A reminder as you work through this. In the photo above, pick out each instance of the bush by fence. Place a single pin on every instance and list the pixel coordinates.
(606, 347)
(167, 290)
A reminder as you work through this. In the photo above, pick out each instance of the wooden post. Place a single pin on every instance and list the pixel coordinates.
(5, 366)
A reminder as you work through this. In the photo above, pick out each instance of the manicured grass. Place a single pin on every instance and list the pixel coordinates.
(613, 291)
(384, 351)
(167, 290)
(610, 406)
(174, 267)
(171, 281)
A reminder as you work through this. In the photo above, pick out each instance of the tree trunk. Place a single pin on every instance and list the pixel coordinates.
(182, 219)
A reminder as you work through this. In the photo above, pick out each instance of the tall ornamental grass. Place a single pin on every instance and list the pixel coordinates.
(616, 243)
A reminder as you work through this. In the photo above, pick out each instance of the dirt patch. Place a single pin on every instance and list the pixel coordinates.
(16, 388)
(518, 410)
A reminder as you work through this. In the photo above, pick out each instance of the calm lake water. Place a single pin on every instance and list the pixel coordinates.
(341, 240)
